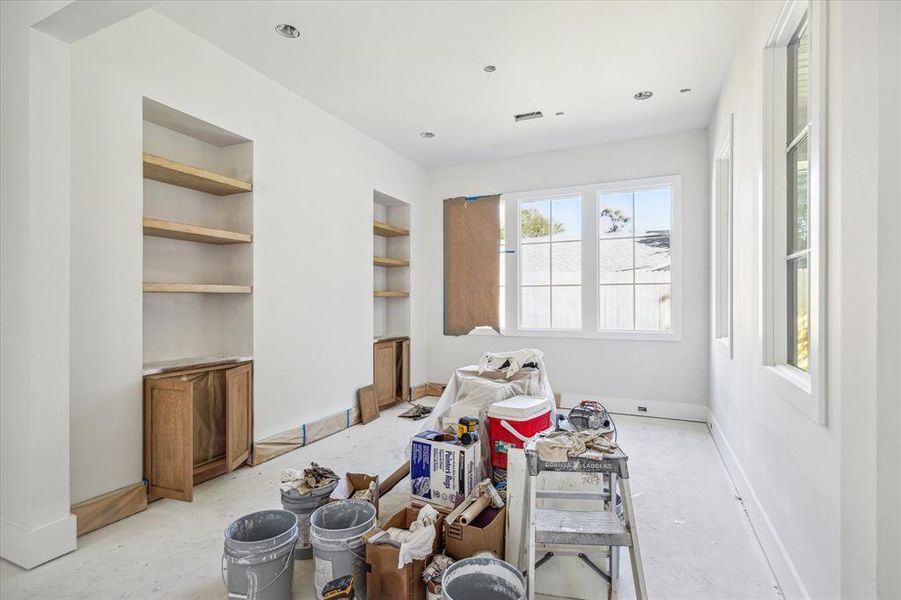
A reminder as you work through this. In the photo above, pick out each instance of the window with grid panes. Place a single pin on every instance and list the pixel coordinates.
(634, 260)
(550, 264)
(797, 253)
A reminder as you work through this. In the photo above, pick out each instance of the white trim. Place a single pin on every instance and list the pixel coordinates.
(29, 548)
(683, 411)
(781, 563)
(723, 236)
(806, 392)
(590, 196)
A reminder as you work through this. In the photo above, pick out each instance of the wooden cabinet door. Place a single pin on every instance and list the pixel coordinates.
(383, 375)
(403, 366)
(238, 415)
(168, 438)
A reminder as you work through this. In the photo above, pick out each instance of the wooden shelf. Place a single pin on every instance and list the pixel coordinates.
(384, 261)
(195, 288)
(390, 294)
(386, 230)
(182, 175)
(193, 233)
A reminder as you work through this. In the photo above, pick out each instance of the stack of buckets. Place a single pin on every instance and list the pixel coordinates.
(303, 506)
(512, 422)
(260, 548)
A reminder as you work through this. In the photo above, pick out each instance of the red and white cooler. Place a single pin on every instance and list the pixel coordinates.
(512, 422)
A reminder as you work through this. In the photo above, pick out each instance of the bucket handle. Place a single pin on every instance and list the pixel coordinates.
(253, 593)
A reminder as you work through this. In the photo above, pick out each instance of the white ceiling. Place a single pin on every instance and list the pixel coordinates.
(394, 69)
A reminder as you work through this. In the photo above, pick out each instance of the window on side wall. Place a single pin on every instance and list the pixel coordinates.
(793, 244)
(593, 261)
(723, 247)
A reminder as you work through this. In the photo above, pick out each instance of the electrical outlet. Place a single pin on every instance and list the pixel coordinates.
(642, 409)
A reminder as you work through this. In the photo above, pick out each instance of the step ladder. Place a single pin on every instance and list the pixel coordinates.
(570, 532)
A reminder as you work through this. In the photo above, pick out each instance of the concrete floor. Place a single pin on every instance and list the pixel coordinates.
(696, 539)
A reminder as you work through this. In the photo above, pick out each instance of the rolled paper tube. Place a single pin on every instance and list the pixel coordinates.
(475, 510)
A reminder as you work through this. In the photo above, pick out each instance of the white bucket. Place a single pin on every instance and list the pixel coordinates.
(303, 507)
(257, 563)
(336, 530)
(482, 579)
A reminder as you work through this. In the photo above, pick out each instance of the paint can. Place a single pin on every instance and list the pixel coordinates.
(482, 579)
(303, 506)
(336, 530)
(257, 563)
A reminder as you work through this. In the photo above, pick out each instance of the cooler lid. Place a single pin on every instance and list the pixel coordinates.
(519, 407)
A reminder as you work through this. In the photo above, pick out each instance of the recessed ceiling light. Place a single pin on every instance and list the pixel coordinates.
(643, 95)
(684, 90)
(489, 68)
(427, 134)
(288, 31)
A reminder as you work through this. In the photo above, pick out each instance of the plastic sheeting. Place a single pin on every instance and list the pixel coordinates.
(469, 376)
(489, 382)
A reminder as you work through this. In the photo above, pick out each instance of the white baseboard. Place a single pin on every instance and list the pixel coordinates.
(781, 563)
(655, 408)
(29, 548)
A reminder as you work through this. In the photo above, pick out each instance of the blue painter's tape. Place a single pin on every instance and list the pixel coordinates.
(346, 418)
(304, 428)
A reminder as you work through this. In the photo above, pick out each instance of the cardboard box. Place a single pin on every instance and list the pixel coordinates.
(384, 579)
(442, 471)
(486, 532)
(353, 482)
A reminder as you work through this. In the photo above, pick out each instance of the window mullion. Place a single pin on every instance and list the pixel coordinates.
(590, 261)
(634, 287)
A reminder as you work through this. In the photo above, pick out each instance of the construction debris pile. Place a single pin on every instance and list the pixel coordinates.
(310, 479)
(453, 531)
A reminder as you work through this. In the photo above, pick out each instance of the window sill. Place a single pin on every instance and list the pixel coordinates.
(637, 336)
(794, 386)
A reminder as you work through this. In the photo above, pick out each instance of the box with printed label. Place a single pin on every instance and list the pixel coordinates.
(443, 471)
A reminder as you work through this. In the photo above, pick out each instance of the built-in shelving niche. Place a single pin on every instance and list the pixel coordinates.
(198, 237)
(391, 266)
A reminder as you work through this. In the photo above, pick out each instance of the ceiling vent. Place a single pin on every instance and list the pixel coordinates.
(528, 116)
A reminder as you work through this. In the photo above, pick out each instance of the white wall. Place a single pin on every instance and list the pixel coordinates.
(35, 524)
(888, 325)
(670, 377)
(313, 178)
(811, 490)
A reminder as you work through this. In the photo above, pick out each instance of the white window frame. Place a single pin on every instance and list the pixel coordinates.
(806, 391)
(723, 254)
(590, 195)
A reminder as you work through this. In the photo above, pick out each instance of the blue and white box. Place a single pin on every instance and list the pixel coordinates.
(443, 471)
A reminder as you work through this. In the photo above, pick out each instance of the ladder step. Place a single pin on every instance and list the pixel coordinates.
(595, 528)
(572, 495)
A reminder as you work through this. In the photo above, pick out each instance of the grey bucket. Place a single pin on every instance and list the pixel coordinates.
(303, 507)
(482, 579)
(257, 562)
(337, 532)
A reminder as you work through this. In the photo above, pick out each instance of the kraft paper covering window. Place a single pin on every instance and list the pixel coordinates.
(471, 264)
